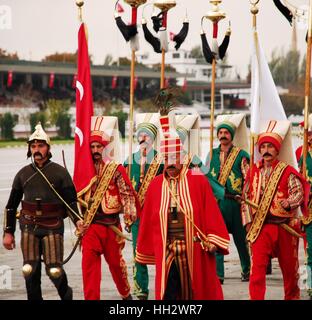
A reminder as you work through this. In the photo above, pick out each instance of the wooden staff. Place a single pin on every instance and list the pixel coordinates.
(307, 94)
(254, 10)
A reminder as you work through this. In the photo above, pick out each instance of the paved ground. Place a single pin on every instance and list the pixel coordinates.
(13, 159)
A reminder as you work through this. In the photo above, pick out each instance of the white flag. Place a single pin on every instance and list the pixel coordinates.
(265, 101)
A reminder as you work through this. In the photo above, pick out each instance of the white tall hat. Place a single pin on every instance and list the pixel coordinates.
(188, 129)
(104, 129)
(39, 134)
(236, 124)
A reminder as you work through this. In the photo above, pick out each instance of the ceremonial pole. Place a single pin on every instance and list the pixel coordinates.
(215, 15)
(164, 6)
(254, 11)
(130, 33)
(307, 91)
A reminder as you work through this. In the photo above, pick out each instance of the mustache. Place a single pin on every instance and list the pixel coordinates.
(96, 154)
(267, 154)
(38, 154)
(223, 138)
(142, 141)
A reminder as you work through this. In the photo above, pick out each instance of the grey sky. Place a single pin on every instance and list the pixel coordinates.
(42, 27)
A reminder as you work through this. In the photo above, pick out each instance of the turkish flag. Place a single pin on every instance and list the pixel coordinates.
(171, 35)
(114, 82)
(120, 9)
(84, 171)
(184, 86)
(51, 80)
(10, 79)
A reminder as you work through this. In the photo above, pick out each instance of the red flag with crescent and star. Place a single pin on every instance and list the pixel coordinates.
(84, 172)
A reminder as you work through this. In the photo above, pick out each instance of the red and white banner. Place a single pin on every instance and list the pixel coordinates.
(114, 82)
(51, 80)
(84, 171)
(10, 79)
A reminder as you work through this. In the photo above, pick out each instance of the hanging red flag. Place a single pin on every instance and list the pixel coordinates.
(10, 79)
(167, 82)
(51, 80)
(120, 9)
(184, 86)
(74, 81)
(135, 82)
(84, 171)
(171, 35)
(114, 82)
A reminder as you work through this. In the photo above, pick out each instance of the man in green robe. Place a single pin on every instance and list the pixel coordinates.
(229, 165)
(145, 165)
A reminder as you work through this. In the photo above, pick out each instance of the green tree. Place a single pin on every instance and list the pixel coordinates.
(58, 111)
(36, 117)
(122, 118)
(196, 52)
(7, 123)
(9, 56)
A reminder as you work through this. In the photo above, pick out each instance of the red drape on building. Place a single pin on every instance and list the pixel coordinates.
(10, 79)
(51, 80)
(114, 82)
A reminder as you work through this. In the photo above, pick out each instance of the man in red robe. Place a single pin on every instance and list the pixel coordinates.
(110, 195)
(273, 191)
(181, 228)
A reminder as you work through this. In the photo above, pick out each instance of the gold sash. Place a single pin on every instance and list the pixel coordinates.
(265, 202)
(150, 175)
(107, 175)
(226, 170)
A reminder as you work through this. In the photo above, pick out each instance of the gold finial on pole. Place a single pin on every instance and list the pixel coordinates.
(215, 14)
(79, 4)
(254, 11)
(135, 3)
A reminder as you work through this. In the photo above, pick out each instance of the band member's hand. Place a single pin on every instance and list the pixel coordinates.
(8, 241)
(81, 228)
(212, 248)
(128, 228)
(285, 204)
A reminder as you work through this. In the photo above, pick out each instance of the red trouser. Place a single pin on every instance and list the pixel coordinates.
(99, 240)
(274, 241)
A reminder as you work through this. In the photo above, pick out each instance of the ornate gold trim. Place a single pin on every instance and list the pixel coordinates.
(107, 175)
(226, 170)
(265, 202)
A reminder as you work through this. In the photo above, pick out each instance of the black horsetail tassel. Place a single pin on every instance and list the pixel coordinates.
(128, 31)
(153, 41)
(157, 21)
(180, 37)
(224, 46)
(206, 49)
(284, 10)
